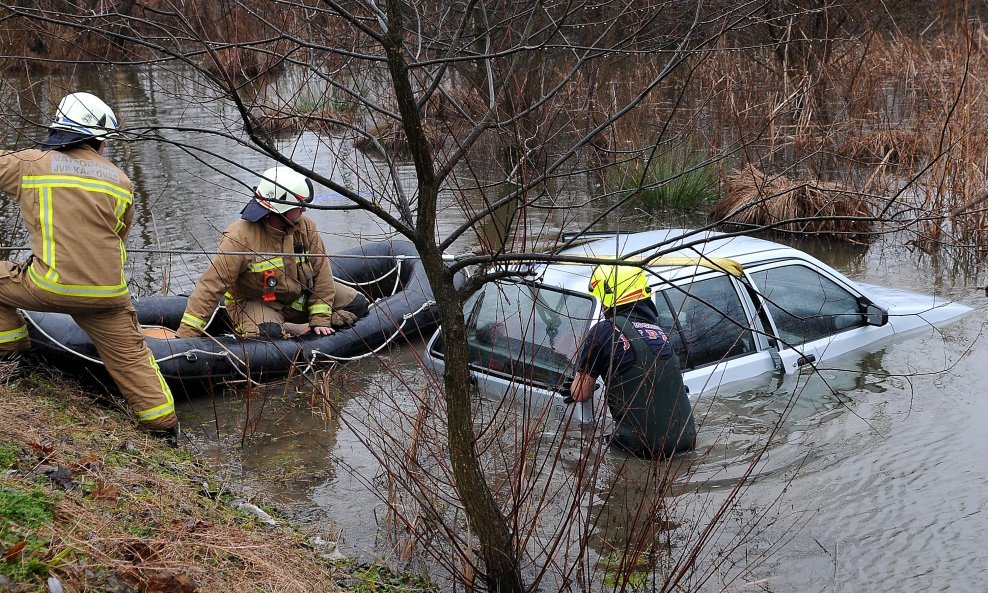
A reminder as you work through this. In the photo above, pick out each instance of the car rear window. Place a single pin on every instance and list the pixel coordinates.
(522, 331)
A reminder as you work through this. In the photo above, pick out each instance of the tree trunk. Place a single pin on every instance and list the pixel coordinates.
(483, 513)
(486, 518)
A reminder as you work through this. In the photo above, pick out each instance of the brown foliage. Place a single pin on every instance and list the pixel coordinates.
(754, 199)
(901, 147)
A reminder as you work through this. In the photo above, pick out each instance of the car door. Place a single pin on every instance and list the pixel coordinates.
(715, 329)
(815, 315)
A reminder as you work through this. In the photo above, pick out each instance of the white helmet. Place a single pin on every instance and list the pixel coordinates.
(86, 115)
(282, 183)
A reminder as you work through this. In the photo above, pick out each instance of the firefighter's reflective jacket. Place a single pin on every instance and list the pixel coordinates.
(253, 264)
(78, 208)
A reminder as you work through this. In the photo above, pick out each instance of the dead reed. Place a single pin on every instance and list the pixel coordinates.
(900, 117)
(754, 200)
(280, 123)
(388, 136)
(899, 147)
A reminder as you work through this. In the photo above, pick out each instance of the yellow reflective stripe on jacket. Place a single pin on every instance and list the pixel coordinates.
(266, 264)
(299, 303)
(193, 321)
(83, 183)
(320, 309)
(78, 290)
(164, 409)
(13, 335)
(118, 212)
(50, 280)
(47, 232)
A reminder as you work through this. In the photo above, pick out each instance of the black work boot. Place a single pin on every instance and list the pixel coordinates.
(16, 364)
(169, 436)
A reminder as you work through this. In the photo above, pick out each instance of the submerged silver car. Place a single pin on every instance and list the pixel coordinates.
(733, 308)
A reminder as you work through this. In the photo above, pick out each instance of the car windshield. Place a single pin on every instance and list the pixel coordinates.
(525, 332)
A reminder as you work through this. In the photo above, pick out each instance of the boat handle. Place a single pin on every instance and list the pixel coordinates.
(805, 360)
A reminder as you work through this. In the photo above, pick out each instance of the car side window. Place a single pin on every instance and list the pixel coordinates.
(706, 321)
(805, 304)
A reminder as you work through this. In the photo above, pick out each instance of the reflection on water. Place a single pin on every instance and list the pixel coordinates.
(784, 434)
(275, 435)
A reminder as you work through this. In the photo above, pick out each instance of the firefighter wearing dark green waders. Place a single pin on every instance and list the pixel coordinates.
(643, 381)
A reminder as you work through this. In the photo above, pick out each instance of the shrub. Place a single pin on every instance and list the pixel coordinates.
(680, 178)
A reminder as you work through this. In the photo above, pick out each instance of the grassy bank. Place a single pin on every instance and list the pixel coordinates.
(89, 503)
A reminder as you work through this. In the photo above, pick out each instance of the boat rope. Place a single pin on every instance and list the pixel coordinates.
(190, 355)
(184, 354)
(394, 290)
(30, 319)
(260, 253)
(316, 354)
(238, 364)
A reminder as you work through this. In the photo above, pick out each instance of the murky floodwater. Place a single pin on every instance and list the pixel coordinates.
(874, 480)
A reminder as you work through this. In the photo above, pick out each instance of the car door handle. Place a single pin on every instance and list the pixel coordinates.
(805, 360)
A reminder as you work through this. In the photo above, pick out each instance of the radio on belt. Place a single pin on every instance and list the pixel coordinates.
(270, 281)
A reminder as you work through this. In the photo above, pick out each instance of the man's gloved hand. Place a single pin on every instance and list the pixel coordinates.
(342, 318)
(187, 331)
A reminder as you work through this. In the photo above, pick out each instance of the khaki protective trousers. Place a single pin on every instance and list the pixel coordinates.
(250, 317)
(113, 329)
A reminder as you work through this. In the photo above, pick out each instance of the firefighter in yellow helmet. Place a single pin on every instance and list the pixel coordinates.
(78, 208)
(643, 381)
(271, 268)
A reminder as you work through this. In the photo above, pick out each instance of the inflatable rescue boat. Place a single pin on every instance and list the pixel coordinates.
(389, 273)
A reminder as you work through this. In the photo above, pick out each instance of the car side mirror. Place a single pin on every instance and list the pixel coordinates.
(875, 315)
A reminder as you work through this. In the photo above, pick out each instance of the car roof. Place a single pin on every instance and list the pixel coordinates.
(667, 244)
(679, 242)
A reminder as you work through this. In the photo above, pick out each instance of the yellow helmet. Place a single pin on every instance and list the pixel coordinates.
(619, 285)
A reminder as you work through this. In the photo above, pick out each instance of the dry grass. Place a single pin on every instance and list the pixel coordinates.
(129, 512)
(906, 113)
(8, 371)
(753, 199)
(900, 147)
(286, 123)
(390, 135)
